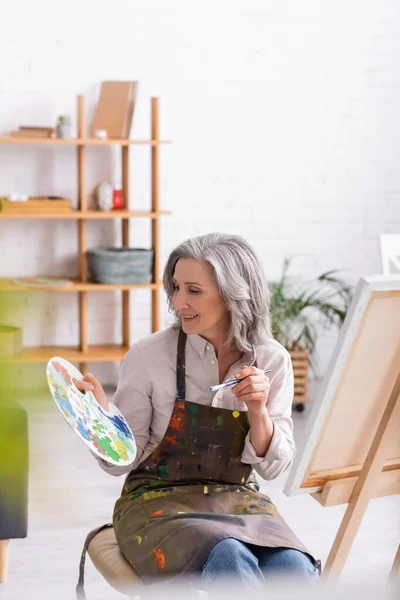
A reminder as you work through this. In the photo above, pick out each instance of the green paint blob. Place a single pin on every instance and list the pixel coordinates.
(163, 471)
(104, 443)
(99, 427)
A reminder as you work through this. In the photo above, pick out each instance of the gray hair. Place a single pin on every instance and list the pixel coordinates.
(240, 280)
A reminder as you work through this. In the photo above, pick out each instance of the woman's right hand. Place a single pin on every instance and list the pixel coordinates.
(90, 384)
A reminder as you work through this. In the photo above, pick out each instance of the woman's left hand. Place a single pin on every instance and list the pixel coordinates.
(253, 389)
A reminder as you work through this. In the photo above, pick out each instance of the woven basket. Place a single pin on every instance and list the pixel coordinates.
(120, 265)
(301, 364)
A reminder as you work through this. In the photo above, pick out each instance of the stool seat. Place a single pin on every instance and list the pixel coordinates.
(108, 559)
(106, 556)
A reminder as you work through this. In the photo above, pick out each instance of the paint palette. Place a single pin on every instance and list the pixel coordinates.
(106, 433)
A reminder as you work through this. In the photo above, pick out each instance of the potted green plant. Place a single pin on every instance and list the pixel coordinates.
(63, 126)
(298, 311)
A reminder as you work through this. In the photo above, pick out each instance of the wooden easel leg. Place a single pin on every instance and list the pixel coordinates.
(344, 539)
(4, 553)
(395, 572)
(361, 495)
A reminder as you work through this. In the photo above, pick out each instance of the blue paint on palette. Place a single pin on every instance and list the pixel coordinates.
(119, 423)
(83, 430)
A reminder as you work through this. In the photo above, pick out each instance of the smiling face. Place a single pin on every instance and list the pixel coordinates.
(198, 301)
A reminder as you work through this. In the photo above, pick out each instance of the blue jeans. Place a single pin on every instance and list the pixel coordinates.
(253, 565)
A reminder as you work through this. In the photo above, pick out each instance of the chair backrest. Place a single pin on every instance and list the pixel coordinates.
(390, 253)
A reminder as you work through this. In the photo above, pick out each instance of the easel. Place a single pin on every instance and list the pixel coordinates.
(365, 487)
(359, 407)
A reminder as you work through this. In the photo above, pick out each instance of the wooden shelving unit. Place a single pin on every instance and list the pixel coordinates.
(84, 352)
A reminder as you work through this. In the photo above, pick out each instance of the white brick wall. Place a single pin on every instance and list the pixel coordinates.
(284, 121)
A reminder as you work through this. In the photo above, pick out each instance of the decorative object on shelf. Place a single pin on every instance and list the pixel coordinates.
(104, 195)
(297, 310)
(35, 204)
(120, 265)
(15, 197)
(41, 281)
(118, 198)
(10, 341)
(34, 132)
(19, 193)
(106, 433)
(100, 134)
(115, 108)
(63, 127)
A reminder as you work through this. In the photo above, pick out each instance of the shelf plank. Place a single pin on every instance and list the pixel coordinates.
(79, 141)
(7, 285)
(41, 354)
(89, 214)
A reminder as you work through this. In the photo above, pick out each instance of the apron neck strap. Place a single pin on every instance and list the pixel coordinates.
(180, 366)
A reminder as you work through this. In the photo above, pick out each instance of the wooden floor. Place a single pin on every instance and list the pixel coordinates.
(70, 494)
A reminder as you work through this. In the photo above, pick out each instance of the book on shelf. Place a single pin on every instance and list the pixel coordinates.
(36, 132)
(36, 204)
(115, 108)
(37, 128)
(131, 107)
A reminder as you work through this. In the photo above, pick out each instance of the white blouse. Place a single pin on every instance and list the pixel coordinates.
(147, 389)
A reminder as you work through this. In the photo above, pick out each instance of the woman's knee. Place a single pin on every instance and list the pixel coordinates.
(232, 559)
(290, 562)
(229, 555)
(298, 561)
(227, 550)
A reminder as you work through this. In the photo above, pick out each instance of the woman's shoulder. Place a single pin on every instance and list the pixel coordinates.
(160, 342)
(271, 354)
(151, 359)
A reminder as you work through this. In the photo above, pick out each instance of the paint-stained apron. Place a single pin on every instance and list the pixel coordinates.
(194, 491)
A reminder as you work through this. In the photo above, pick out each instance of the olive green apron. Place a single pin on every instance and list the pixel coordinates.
(194, 491)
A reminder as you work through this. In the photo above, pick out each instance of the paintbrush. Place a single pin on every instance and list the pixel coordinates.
(231, 382)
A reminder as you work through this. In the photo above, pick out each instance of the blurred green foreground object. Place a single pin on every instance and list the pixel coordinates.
(14, 462)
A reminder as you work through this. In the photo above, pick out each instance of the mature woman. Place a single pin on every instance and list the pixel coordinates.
(190, 503)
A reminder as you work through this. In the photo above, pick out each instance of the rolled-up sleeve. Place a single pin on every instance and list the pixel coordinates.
(133, 398)
(282, 448)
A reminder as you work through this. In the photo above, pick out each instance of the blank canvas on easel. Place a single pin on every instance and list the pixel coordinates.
(353, 397)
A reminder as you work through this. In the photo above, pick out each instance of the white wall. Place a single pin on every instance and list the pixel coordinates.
(285, 129)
